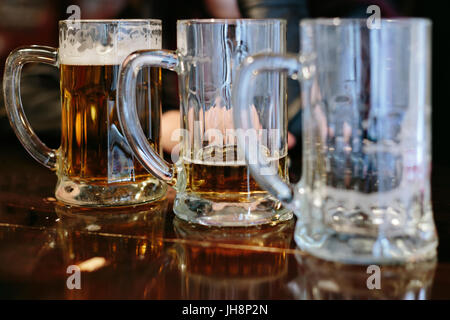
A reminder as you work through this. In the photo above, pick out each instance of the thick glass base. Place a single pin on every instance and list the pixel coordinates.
(223, 213)
(82, 194)
(354, 248)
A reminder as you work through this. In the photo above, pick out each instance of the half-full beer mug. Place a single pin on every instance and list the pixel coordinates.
(212, 180)
(94, 163)
(364, 196)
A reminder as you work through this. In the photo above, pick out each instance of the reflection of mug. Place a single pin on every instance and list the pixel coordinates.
(104, 242)
(211, 178)
(323, 280)
(364, 196)
(233, 263)
(145, 220)
(94, 163)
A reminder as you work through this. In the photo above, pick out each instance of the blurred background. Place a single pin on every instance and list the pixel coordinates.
(25, 22)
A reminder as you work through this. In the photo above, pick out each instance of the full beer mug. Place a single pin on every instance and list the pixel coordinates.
(94, 163)
(212, 180)
(364, 196)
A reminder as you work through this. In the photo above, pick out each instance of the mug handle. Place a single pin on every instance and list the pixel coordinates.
(13, 102)
(127, 112)
(297, 67)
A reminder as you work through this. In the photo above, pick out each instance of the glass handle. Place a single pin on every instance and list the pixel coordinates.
(13, 102)
(128, 116)
(243, 119)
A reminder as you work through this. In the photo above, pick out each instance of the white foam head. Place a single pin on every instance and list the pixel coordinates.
(84, 42)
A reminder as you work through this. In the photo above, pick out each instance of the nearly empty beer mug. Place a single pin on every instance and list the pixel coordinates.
(94, 163)
(211, 177)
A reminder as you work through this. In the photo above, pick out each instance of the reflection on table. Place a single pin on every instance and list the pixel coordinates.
(323, 280)
(144, 252)
(219, 263)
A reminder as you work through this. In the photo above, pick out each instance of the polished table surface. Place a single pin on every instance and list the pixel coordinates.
(146, 253)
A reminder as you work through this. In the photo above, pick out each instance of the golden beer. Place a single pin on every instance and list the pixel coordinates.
(220, 174)
(93, 149)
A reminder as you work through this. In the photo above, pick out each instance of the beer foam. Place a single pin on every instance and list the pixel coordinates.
(85, 47)
(101, 55)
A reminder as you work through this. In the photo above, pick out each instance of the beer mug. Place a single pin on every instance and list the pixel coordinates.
(94, 164)
(212, 180)
(364, 196)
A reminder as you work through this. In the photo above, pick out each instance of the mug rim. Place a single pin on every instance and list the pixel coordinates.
(232, 21)
(336, 21)
(111, 21)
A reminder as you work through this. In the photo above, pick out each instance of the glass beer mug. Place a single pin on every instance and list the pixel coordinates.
(364, 196)
(212, 180)
(94, 163)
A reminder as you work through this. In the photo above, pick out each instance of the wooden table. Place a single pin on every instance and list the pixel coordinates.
(146, 253)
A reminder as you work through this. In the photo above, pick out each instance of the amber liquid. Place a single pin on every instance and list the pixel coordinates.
(231, 179)
(93, 148)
